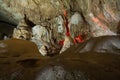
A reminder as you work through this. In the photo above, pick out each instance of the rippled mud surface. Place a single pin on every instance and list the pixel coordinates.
(21, 60)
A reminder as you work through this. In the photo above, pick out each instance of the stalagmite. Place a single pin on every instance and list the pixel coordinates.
(68, 40)
(43, 50)
(75, 18)
(67, 43)
(40, 38)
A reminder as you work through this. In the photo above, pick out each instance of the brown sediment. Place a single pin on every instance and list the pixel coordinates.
(30, 64)
(118, 28)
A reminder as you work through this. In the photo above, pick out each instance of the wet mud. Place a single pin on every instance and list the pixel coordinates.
(21, 60)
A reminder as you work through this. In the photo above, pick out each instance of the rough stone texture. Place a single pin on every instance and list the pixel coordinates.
(89, 18)
(20, 59)
(104, 44)
(40, 11)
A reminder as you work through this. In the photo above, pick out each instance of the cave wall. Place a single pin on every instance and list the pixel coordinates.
(90, 18)
(38, 10)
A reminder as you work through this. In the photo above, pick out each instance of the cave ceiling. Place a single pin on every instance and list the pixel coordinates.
(41, 10)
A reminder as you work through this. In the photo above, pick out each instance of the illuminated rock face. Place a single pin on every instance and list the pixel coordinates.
(22, 33)
(41, 38)
(67, 43)
(104, 44)
(39, 11)
(87, 18)
(96, 59)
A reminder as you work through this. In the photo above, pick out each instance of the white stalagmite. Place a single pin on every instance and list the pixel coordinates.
(76, 18)
(40, 37)
(43, 50)
(40, 32)
(67, 43)
(74, 24)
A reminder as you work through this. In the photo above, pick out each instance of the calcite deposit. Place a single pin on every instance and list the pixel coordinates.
(85, 18)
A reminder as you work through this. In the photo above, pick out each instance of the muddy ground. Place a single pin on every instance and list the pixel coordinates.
(21, 60)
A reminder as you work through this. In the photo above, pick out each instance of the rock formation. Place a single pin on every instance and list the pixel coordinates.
(87, 18)
(53, 26)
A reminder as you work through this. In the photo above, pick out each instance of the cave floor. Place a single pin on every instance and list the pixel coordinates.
(23, 57)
